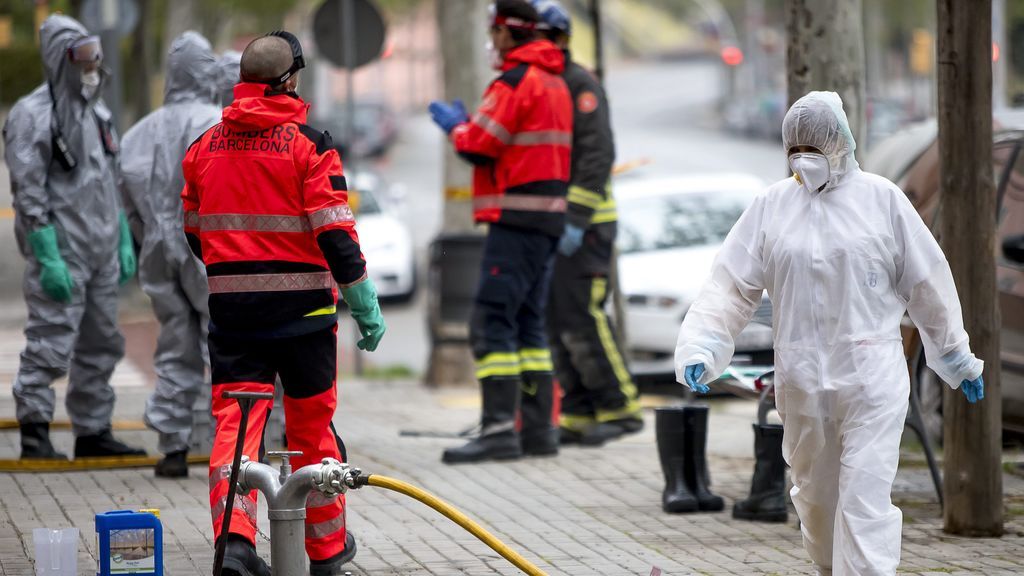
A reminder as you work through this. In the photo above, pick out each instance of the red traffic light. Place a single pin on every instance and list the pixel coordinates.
(732, 56)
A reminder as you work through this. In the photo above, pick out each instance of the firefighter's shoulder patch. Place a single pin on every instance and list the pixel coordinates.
(586, 102)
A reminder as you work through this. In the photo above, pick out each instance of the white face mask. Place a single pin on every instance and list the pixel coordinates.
(90, 84)
(494, 58)
(812, 169)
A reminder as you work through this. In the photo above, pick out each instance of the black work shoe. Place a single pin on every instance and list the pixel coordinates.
(332, 566)
(35, 443)
(500, 446)
(544, 443)
(103, 444)
(240, 558)
(173, 465)
(767, 501)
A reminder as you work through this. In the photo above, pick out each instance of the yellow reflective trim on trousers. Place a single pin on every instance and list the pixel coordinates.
(575, 422)
(606, 212)
(498, 364)
(631, 410)
(325, 311)
(583, 197)
(597, 293)
(535, 360)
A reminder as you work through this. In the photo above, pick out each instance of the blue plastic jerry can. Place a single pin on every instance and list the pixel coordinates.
(129, 542)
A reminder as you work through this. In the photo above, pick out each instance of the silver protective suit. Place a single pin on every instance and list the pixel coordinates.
(171, 276)
(230, 65)
(80, 338)
(841, 266)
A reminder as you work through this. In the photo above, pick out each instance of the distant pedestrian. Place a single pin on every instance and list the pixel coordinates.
(519, 142)
(62, 153)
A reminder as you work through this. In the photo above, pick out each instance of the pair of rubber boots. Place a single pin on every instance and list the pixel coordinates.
(682, 434)
(241, 559)
(767, 501)
(500, 437)
(36, 445)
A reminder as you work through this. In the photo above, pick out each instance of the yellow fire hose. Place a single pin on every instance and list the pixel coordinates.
(454, 515)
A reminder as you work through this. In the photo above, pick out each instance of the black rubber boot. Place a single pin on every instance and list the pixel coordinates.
(671, 436)
(767, 501)
(498, 438)
(539, 436)
(696, 470)
(103, 444)
(35, 443)
(240, 558)
(173, 465)
(333, 566)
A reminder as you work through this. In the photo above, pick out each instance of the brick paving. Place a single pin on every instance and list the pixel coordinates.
(588, 511)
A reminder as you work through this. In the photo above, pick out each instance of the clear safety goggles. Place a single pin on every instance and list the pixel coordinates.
(88, 50)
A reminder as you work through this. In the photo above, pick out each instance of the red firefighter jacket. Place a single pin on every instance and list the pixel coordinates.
(520, 141)
(266, 209)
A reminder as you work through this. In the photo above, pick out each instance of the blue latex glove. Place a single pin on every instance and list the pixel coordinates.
(448, 116)
(571, 240)
(973, 389)
(692, 374)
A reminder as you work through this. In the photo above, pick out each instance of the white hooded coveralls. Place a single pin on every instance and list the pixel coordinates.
(841, 267)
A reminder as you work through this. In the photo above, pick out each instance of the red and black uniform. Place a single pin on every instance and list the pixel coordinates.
(266, 209)
(520, 144)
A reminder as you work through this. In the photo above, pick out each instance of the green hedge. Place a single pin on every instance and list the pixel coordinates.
(21, 70)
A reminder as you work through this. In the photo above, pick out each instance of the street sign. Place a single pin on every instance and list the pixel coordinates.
(110, 15)
(330, 39)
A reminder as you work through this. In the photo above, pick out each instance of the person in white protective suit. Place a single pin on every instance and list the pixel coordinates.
(174, 280)
(842, 254)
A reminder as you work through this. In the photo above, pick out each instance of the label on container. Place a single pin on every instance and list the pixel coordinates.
(133, 551)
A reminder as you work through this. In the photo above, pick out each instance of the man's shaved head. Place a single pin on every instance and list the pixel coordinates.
(266, 57)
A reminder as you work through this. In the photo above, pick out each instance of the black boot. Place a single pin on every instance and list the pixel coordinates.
(103, 444)
(539, 436)
(697, 477)
(671, 436)
(35, 442)
(333, 566)
(498, 438)
(173, 465)
(767, 501)
(240, 558)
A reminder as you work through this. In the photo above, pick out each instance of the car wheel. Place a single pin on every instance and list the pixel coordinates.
(929, 391)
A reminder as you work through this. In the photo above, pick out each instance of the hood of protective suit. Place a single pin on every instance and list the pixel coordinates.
(192, 71)
(818, 120)
(228, 71)
(254, 110)
(56, 36)
(542, 53)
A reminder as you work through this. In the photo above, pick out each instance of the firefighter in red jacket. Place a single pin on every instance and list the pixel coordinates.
(266, 209)
(519, 142)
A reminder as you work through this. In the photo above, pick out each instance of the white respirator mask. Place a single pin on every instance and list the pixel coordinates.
(811, 169)
(90, 84)
(494, 58)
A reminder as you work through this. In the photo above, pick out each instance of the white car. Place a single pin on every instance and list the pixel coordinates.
(670, 230)
(384, 238)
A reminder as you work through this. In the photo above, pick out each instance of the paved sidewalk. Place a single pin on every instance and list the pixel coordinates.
(588, 511)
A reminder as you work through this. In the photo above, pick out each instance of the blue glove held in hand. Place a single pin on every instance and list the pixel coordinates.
(446, 115)
(692, 374)
(973, 389)
(571, 240)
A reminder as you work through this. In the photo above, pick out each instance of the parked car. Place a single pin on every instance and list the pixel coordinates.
(376, 128)
(670, 230)
(385, 239)
(911, 160)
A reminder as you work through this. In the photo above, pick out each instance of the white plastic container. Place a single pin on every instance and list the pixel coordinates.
(56, 551)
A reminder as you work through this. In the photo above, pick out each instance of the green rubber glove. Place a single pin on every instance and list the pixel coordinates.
(362, 304)
(54, 274)
(126, 251)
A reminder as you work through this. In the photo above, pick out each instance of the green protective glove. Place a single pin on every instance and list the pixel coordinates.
(126, 251)
(362, 304)
(54, 274)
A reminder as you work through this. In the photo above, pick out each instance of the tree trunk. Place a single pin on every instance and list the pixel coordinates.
(462, 30)
(825, 51)
(973, 432)
(142, 51)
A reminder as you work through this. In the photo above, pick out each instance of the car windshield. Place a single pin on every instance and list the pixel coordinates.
(683, 220)
(367, 202)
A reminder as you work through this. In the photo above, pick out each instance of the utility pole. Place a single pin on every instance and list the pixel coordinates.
(973, 485)
(825, 51)
(462, 26)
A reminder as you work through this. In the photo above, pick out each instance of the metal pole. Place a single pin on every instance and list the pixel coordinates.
(348, 30)
(595, 19)
(110, 38)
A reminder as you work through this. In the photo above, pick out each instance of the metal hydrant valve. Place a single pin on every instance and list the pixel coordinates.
(334, 477)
